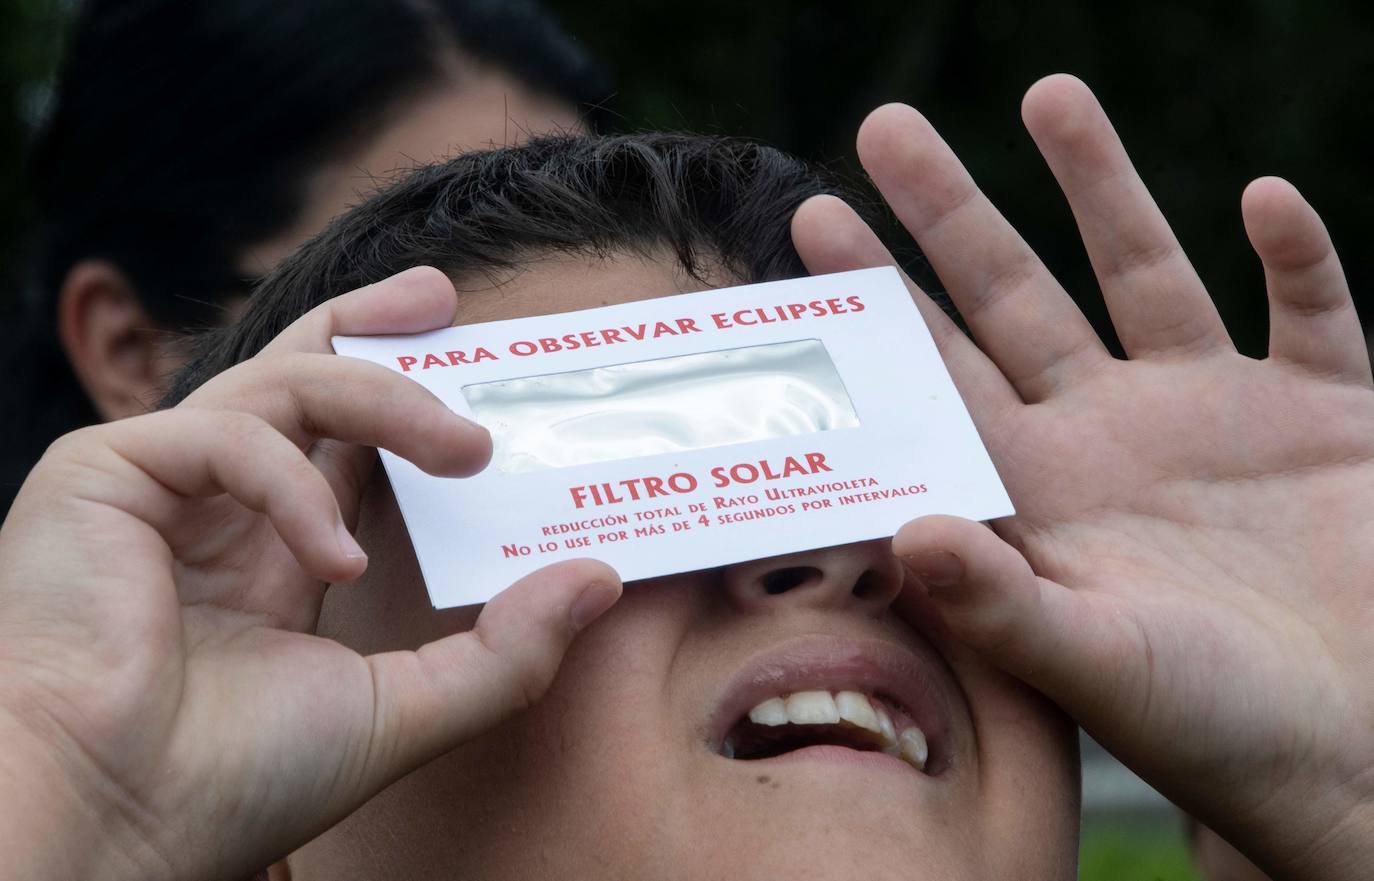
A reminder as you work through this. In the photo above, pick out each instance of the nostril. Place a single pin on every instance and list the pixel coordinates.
(870, 584)
(782, 580)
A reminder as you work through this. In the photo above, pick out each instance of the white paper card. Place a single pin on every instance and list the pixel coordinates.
(686, 432)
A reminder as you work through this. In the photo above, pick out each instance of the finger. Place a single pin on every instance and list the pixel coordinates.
(450, 691)
(1016, 310)
(418, 299)
(1312, 319)
(308, 396)
(183, 454)
(348, 468)
(831, 237)
(1058, 641)
(1156, 300)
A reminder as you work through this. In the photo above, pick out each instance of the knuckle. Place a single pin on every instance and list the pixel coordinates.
(236, 427)
(1004, 283)
(245, 384)
(233, 433)
(305, 478)
(1146, 257)
(74, 444)
(1314, 302)
(88, 442)
(523, 679)
(221, 387)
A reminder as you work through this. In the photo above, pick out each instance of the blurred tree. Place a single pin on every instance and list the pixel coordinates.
(1206, 95)
(29, 36)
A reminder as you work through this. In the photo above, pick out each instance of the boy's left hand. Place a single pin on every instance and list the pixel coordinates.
(1195, 582)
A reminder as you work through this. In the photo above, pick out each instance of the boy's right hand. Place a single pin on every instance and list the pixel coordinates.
(164, 711)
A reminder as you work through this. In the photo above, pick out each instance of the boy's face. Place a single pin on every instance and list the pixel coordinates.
(618, 771)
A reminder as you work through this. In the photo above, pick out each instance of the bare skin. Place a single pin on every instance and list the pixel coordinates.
(175, 709)
(1218, 861)
(622, 740)
(1187, 574)
(123, 361)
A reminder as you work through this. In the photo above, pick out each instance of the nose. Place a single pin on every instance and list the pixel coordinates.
(864, 578)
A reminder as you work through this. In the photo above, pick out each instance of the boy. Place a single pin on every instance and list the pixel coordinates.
(1167, 581)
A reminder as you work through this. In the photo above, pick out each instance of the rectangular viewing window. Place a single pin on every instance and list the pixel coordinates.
(689, 402)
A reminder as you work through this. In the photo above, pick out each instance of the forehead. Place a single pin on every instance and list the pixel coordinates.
(565, 283)
(388, 607)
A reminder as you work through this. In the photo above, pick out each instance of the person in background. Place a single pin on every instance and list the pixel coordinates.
(194, 143)
(202, 671)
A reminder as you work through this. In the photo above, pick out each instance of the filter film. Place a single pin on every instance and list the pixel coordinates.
(647, 408)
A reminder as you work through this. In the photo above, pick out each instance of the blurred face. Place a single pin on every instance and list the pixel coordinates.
(642, 760)
(124, 367)
(478, 108)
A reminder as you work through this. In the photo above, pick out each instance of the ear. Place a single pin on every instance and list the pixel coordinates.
(115, 349)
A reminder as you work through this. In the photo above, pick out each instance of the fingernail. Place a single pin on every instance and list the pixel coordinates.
(937, 568)
(591, 604)
(348, 544)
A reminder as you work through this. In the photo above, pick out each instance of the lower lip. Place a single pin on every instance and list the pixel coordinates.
(839, 754)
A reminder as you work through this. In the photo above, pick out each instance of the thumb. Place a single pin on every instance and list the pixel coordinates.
(1058, 641)
(454, 689)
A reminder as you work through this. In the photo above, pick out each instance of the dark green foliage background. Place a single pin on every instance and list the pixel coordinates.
(1206, 96)
(29, 44)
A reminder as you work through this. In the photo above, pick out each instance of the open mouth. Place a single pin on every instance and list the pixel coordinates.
(827, 698)
(852, 719)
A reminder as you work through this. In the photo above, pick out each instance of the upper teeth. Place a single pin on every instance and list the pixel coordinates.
(850, 707)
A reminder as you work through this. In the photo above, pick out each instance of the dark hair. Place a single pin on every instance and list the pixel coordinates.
(706, 202)
(185, 131)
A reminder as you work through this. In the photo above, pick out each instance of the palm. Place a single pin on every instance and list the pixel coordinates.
(289, 712)
(1194, 504)
(225, 550)
(1228, 448)
(159, 660)
(1194, 527)
(156, 665)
